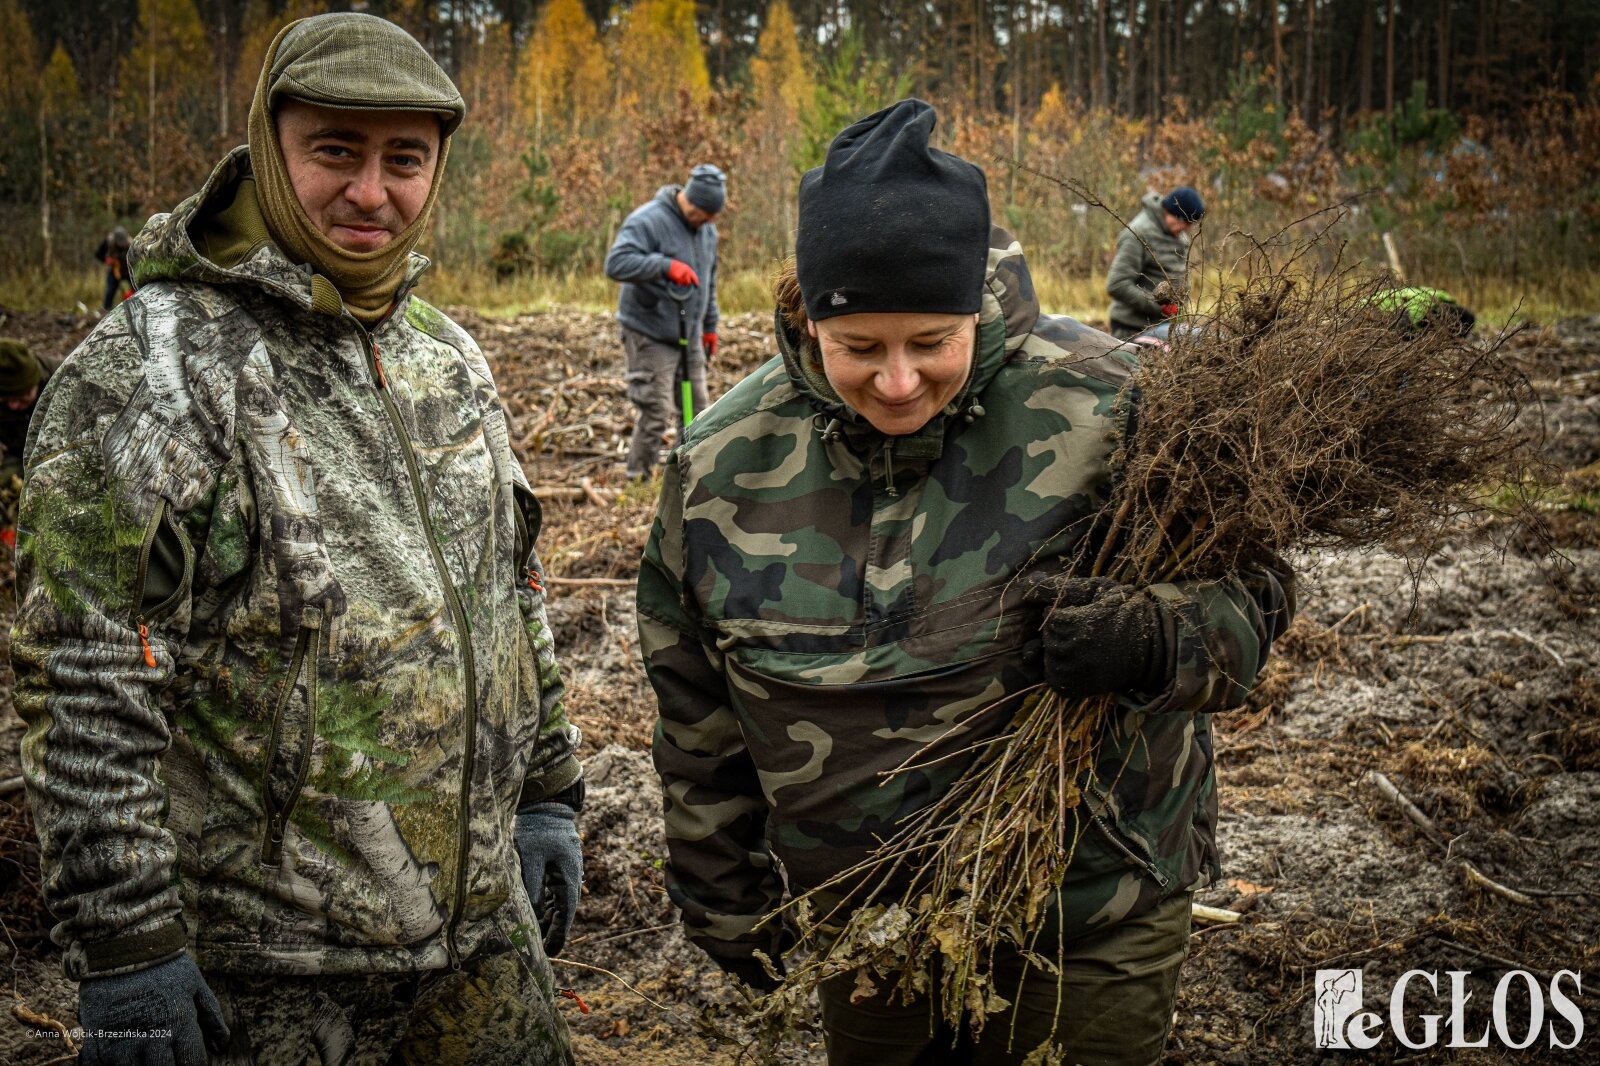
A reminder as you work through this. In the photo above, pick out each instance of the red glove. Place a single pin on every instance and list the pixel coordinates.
(1170, 310)
(681, 273)
(710, 342)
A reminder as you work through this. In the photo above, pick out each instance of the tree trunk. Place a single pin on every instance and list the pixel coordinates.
(1444, 53)
(1388, 62)
(44, 190)
(1307, 89)
(1131, 75)
(1364, 60)
(1102, 81)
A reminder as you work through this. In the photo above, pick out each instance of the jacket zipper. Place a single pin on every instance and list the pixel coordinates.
(139, 618)
(458, 617)
(307, 641)
(1144, 862)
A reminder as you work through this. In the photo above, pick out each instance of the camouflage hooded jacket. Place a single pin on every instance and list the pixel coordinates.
(819, 604)
(280, 648)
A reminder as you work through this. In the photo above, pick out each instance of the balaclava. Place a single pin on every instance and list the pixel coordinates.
(354, 62)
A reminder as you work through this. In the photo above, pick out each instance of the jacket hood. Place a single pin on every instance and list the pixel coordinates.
(165, 249)
(1010, 309)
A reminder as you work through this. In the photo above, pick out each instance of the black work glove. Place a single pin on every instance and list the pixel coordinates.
(552, 866)
(1102, 636)
(169, 1001)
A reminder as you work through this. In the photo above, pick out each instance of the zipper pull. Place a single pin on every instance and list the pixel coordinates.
(533, 580)
(377, 364)
(567, 993)
(144, 639)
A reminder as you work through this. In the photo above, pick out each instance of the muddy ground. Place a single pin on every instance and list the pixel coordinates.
(1478, 698)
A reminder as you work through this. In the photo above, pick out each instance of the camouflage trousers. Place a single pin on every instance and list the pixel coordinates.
(653, 388)
(494, 1011)
(1111, 1004)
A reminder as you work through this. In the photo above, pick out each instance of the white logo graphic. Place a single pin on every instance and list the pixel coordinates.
(1523, 1010)
(1338, 997)
(838, 300)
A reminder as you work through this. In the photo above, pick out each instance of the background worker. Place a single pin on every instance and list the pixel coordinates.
(296, 747)
(1415, 309)
(1151, 249)
(113, 252)
(667, 244)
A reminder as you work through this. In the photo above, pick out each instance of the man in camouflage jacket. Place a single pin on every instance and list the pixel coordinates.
(820, 603)
(282, 648)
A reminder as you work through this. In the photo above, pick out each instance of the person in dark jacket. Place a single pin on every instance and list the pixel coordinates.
(1152, 249)
(113, 252)
(665, 255)
(837, 583)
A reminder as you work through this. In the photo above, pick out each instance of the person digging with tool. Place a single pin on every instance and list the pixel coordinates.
(665, 256)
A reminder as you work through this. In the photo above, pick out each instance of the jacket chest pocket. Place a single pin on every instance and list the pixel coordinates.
(294, 732)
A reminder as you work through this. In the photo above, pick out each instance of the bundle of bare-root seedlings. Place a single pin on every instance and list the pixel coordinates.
(1294, 417)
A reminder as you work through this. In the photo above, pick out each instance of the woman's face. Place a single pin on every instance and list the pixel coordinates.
(896, 369)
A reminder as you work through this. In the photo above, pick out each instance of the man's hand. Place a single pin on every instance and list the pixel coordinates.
(710, 342)
(681, 273)
(1170, 310)
(1101, 636)
(552, 865)
(170, 999)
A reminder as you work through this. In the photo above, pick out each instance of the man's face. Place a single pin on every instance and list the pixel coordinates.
(22, 402)
(897, 369)
(695, 216)
(361, 176)
(1175, 225)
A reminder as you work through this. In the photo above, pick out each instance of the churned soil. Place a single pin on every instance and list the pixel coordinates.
(1471, 685)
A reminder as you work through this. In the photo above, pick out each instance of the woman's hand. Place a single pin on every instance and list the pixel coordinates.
(1101, 636)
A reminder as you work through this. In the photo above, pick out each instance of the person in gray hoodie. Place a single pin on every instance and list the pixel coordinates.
(665, 256)
(1151, 249)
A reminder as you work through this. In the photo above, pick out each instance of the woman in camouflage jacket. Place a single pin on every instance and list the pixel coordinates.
(830, 590)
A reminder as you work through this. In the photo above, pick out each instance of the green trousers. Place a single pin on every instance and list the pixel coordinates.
(1111, 1005)
(494, 1011)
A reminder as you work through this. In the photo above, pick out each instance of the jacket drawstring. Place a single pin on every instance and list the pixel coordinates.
(888, 467)
(831, 432)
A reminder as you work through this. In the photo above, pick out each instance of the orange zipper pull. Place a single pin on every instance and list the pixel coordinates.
(377, 364)
(568, 993)
(144, 639)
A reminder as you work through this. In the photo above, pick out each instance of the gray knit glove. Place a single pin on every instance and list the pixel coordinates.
(166, 1015)
(552, 867)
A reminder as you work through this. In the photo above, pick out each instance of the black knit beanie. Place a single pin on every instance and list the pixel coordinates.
(889, 224)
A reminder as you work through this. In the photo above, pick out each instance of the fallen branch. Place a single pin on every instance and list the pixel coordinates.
(598, 582)
(10, 785)
(38, 1020)
(1214, 915)
(1389, 791)
(584, 490)
(558, 961)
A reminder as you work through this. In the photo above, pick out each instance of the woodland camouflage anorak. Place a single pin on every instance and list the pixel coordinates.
(820, 604)
(284, 666)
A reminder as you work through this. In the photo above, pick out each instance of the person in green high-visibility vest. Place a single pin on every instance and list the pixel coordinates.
(1417, 309)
